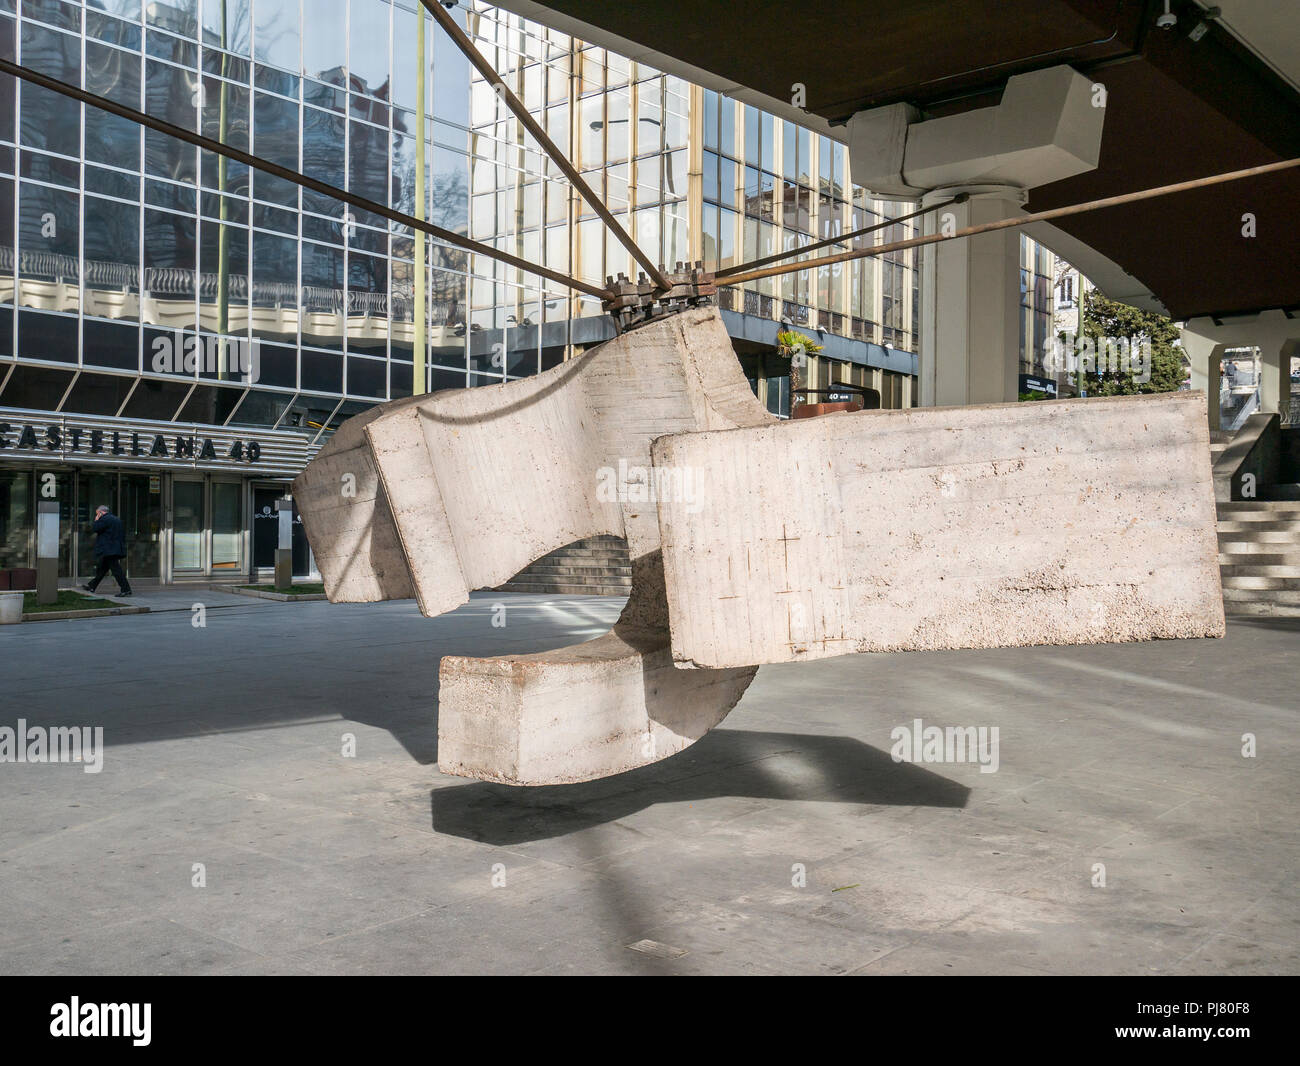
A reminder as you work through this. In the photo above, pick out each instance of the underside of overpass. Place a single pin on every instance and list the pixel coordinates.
(984, 111)
(1202, 96)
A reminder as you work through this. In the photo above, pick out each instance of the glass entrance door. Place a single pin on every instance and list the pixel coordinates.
(227, 526)
(93, 489)
(188, 523)
(141, 515)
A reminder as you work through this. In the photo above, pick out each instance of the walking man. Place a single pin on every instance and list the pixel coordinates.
(110, 549)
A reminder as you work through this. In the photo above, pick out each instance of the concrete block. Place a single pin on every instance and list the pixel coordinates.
(1073, 522)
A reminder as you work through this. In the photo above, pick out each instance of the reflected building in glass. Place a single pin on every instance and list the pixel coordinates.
(179, 334)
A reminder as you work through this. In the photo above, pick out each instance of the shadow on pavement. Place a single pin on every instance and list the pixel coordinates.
(726, 762)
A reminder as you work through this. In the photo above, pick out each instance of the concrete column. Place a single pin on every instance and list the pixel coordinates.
(1275, 374)
(970, 301)
(1206, 356)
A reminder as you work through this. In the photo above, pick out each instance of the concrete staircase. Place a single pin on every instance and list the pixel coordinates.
(1259, 556)
(598, 566)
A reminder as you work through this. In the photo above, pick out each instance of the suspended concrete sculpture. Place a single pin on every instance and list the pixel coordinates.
(752, 540)
(434, 496)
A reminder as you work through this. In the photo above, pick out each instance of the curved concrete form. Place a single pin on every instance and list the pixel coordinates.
(438, 495)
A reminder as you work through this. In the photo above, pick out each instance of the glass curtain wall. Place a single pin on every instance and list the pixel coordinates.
(185, 287)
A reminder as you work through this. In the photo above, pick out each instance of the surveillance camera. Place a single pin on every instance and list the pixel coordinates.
(1168, 20)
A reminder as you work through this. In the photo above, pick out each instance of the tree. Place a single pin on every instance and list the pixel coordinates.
(1107, 325)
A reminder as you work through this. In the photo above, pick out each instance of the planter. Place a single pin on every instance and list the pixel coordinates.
(11, 608)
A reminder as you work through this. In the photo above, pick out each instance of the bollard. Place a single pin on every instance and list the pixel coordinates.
(284, 547)
(47, 551)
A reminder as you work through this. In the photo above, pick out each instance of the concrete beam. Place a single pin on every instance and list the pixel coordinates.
(1044, 129)
(1073, 522)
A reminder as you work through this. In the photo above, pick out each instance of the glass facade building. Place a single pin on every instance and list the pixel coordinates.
(179, 333)
(1038, 268)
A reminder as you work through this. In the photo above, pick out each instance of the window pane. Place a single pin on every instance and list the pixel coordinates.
(187, 525)
(324, 46)
(277, 34)
(227, 530)
(368, 58)
(228, 23)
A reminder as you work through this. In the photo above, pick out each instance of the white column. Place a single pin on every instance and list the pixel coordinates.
(970, 301)
(1275, 380)
(1206, 356)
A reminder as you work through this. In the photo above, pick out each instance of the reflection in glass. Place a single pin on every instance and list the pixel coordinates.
(49, 266)
(228, 23)
(16, 521)
(112, 259)
(322, 295)
(276, 34)
(187, 525)
(168, 289)
(227, 530)
(324, 46)
(368, 56)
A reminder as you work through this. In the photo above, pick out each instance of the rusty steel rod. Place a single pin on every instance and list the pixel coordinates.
(961, 198)
(1009, 223)
(462, 41)
(266, 166)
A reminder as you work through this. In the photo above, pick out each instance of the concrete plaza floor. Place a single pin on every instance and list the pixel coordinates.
(224, 748)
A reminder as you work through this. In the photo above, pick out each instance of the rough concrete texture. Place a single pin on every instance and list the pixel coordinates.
(478, 484)
(1076, 522)
(347, 520)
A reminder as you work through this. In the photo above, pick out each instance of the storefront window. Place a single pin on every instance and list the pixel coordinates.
(187, 525)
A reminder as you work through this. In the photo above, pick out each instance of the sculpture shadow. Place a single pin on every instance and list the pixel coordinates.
(726, 762)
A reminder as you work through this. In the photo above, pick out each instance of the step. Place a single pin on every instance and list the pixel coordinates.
(1260, 582)
(1264, 525)
(1273, 560)
(558, 570)
(564, 590)
(1290, 507)
(1259, 539)
(1248, 544)
(1269, 610)
(1283, 571)
(596, 558)
(528, 577)
(1286, 597)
